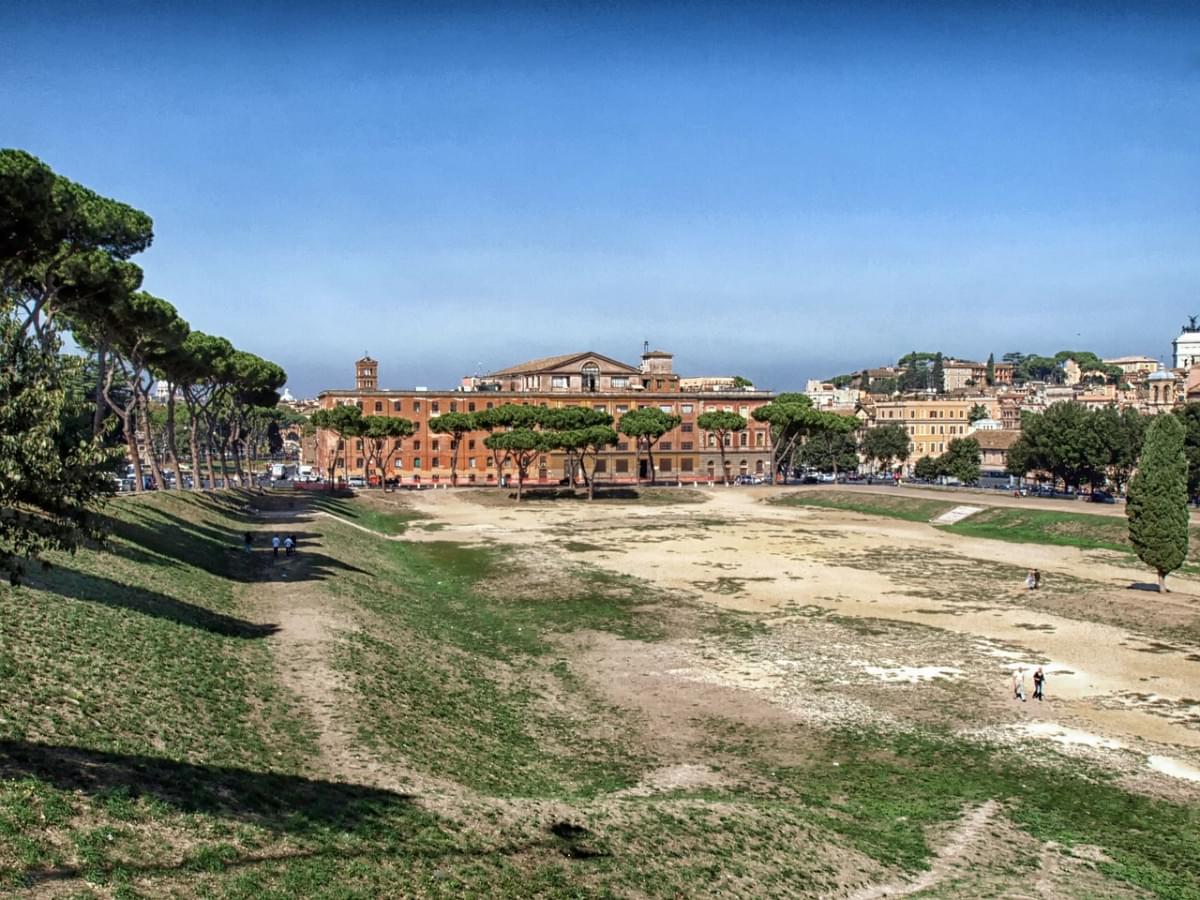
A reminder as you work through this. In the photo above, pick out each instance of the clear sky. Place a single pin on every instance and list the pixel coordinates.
(783, 191)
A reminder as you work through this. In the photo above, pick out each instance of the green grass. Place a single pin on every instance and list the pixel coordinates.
(147, 749)
(1066, 529)
(372, 515)
(886, 790)
(911, 509)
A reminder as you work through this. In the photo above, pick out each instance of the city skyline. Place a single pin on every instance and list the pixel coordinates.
(784, 192)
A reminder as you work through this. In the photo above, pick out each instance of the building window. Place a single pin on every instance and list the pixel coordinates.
(395, 406)
(471, 444)
(433, 445)
(398, 464)
(416, 445)
(622, 466)
(664, 465)
(358, 463)
(622, 446)
(667, 408)
(600, 407)
(590, 377)
(685, 465)
(559, 381)
(686, 427)
(378, 406)
(453, 406)
(434, 406)
(622, 408)
(759, 439)
(470, 407)
(685, 445)
(665, 445)
(744, 439)
(620, 382)
(436, 463)
(471, 463)
(416, 462)
(686, 408)
(601, 466)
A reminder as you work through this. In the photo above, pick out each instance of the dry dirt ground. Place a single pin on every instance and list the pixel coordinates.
(895, 620)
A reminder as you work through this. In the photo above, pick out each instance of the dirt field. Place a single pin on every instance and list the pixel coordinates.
(872, 619)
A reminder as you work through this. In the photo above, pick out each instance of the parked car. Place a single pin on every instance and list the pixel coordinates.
(357, 481)
(1099, 496)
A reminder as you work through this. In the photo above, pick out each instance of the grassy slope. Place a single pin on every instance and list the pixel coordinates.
(145, 746)
(1087, 531)
(912, 509)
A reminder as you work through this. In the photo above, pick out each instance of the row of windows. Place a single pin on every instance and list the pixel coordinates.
(937, 429)
(928, 414)
(620, 466)
(685, 409)
(743, 440)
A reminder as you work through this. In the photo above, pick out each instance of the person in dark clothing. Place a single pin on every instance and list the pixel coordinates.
(248, 537)
(1039, 684)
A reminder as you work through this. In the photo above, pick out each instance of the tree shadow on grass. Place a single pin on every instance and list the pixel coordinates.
(216, 550)
(321, 814)
(278, 802)
(76, 585)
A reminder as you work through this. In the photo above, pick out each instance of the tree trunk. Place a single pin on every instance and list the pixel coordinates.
(143, 409)
(101, 366)
(172, 453)
(235, 439)
(724, 468)
(193, 440)
(128, 423)
(637, 461)
(453, 461)
(1162, 583)
(650, 461)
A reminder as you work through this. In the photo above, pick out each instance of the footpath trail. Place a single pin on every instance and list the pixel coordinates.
(311, 623)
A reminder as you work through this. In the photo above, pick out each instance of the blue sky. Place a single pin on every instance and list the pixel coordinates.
(780, 190)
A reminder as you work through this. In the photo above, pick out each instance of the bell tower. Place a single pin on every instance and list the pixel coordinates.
(366, 374)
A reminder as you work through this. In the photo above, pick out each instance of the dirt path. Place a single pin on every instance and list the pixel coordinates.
(966, 835)
(311, 623)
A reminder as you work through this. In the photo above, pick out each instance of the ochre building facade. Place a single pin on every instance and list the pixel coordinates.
(587, 379)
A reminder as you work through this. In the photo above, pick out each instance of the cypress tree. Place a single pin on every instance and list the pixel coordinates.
(991, 370)
(1157, 506)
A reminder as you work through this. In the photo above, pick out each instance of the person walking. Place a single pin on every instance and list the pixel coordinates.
(275, 546)
(288, 545)
(248, 537)
(1030, 580)
(1037, 579)
(1039, 684)
(1019, 684)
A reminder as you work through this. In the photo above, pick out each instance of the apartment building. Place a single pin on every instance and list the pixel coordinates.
(575, 379)
(932, 423)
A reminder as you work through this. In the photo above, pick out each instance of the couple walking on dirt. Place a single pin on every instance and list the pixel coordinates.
(1039, 684)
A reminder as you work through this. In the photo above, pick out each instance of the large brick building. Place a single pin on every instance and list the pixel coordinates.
(575, 379)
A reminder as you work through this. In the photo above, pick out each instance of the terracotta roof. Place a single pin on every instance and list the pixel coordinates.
(996, 440)
(553, 362)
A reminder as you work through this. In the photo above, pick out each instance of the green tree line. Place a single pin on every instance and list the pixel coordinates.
(68, 419)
